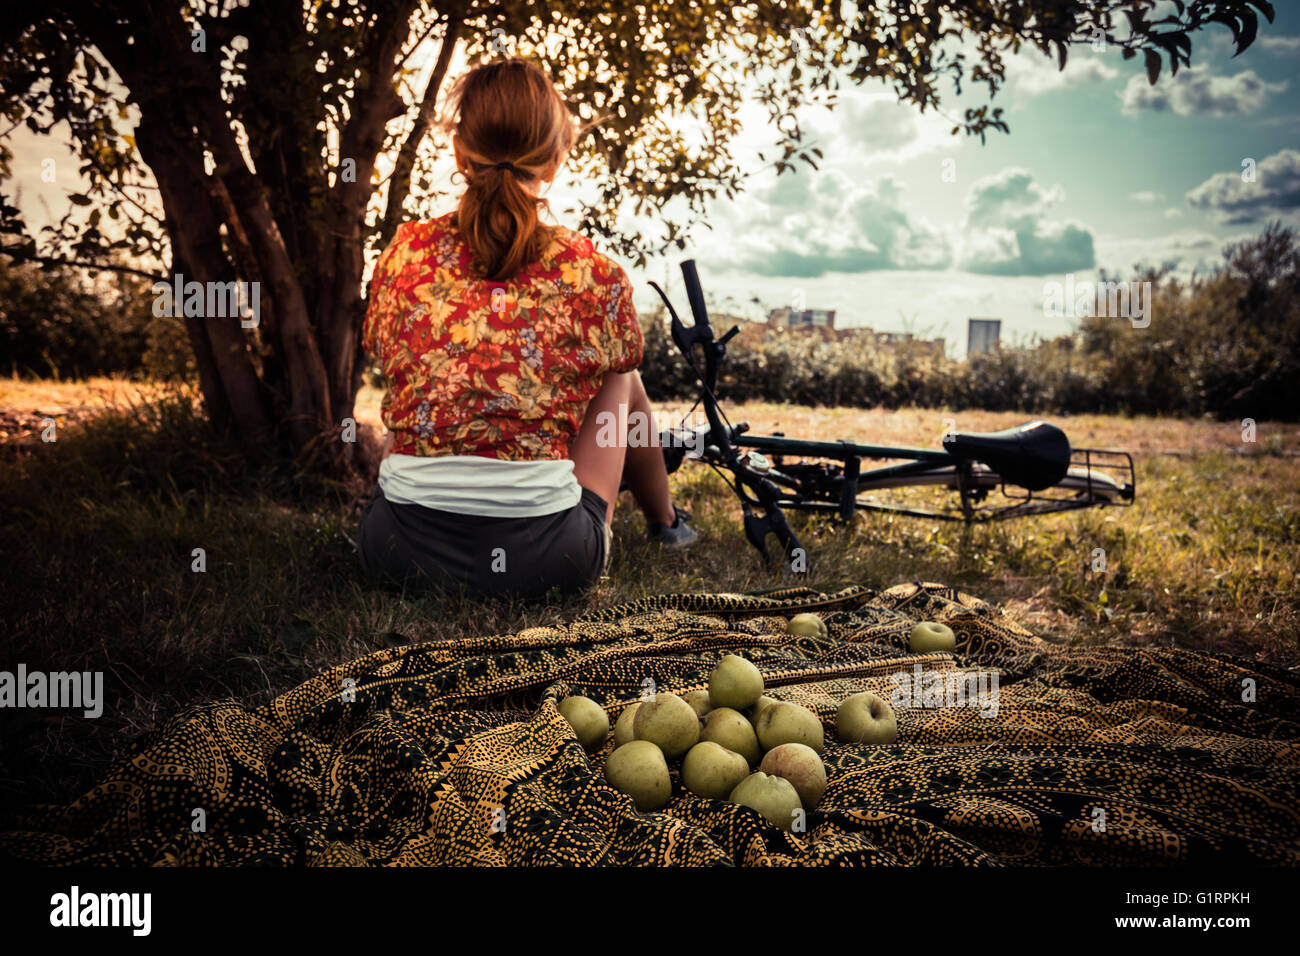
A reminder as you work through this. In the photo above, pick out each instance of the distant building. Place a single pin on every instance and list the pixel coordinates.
(821, 323)
(796, 318)
(892, 338)
(982, 335)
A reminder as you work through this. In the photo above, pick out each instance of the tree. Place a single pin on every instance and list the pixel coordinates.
(260, 126)
(1249, 350)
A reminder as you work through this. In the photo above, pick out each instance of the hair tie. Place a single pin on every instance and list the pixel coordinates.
(510, 166)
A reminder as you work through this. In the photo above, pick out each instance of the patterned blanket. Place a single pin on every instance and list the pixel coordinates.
(454, 752)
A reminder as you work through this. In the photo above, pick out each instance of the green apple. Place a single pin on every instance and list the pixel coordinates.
(623, 726)
(773, 797)
(730, 729)
(735, 683)
(806, 625)
(588, 720)
(802, 766)
(711, 770)
(787, 723)
(866, 718)
(760, 705)
(699, 701)
(639, 770)
(669, 723)
(929, 636)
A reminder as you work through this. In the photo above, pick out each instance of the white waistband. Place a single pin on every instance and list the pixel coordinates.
(474, 485)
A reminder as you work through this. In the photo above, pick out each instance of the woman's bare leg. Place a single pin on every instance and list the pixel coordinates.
(597, 462)
(644, 470)
(603, 458)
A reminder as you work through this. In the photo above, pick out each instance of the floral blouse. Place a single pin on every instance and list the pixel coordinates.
(501, 369)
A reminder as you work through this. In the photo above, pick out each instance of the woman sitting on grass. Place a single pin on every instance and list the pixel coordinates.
(510, 349)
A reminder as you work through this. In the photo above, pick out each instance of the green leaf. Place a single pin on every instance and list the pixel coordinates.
(1249, 26)
(1153, 65)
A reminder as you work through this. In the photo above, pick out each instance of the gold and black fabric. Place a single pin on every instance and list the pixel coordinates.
(453, 752)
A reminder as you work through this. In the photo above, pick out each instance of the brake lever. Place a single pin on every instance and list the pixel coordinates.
(684, 338)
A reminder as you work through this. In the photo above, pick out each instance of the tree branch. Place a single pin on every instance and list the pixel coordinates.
(373, 105)
(55, 261)
(340, 309)
(399, 186)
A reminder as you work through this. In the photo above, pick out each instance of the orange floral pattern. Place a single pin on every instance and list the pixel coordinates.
(498, 369)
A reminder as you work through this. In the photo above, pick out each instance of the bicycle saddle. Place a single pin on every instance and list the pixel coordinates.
(1033, 456)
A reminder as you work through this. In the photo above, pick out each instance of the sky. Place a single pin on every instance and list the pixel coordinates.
(906, 227)
(1100, 171)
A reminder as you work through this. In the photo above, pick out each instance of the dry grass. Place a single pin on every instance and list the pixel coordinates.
(97, 530)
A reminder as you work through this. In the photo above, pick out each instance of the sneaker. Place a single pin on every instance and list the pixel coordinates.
(677, 535)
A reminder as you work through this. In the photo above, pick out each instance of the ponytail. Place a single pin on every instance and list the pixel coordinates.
(511, 125)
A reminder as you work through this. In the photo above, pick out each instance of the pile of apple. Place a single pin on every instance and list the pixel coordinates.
(722, 733)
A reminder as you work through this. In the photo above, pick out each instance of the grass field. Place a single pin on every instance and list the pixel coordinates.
(97, 531)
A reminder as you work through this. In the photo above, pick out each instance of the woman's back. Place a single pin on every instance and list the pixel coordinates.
(508, 346)
(495, 368)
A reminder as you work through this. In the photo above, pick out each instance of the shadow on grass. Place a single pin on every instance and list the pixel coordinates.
(98, 533)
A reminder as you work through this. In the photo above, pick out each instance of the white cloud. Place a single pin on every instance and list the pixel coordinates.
(1187, 251)
(1008, 198)
(1031, 73)
(809, 224)
(1279, 44)
(1274, 191)
(1146, 196)
(868, 127)
(1007, 230)
(1197, 92)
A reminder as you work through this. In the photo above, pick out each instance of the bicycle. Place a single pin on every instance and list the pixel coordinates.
(1032, 466)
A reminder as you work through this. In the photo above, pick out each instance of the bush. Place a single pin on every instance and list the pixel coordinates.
(59, 323)
(1226, 345)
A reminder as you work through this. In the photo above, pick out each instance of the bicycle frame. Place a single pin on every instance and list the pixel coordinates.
(766, 487)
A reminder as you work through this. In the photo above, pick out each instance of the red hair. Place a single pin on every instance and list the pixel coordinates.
(511, 124)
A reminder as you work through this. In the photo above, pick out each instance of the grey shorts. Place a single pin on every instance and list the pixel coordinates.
(419, 548)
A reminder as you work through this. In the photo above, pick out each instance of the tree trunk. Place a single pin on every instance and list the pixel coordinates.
(231, 390)
(314, 309)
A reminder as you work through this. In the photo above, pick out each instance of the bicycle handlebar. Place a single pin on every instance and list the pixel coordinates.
(695, 294)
